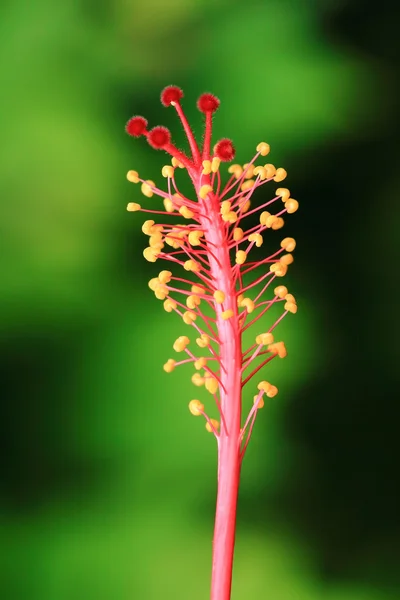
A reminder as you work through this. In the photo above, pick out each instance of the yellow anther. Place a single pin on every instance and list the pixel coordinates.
(192, 301)
(264, 339)
(204, 190)
(225, 207)
(240, 257)
(273, 390)
(249, 168)
(230, 217)
(200, 363)
(214, 424)
(259, 401)
(177, 163)
(264, 216)
(196, 407)
(284, 193)
(281, 291)
(278, 223)
(203, 341)
(279, 269)
(238, 234)
(151, 254)
(245, 207)
(168, 205)
(146, 227)
(291, 205)
(257, 238)
(240, 299)
(210, 383)
(198, 289)
(191, 265)
(154, 283)
(263, 148)
(188, 317)
(169, 305)
(146, 188)
(194, 238)
(167, 171)
(197, 379)
(290, 298)
(236, 170)
(264, 386)
(269, 221)
(248, 304)
(165, 276)
(278, 348)
(219, 296)
(260, 172)
(206, 167)
(186, 212)
(271, 170)
(132, 176)
(155, 241)
(247, 185)
(287, 259)
(291, 307)
(280, 174)
(161, 291)
(180, 343)
(177, 196)
(169, 365)
(227, 314)
(215, 164)
(288, 244)
(133, 207)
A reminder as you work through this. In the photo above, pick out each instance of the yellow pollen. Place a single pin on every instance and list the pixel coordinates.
(247, 185)
(169, 305)
(155, 241)
(271, 170)
(191, 265)
(240, 257)
(284, 193)
(211, 383)
(196, 407)
(264, 339)
(290, 298)
(246, 206)
(264, 216)
(132, 176)
(165, 276)
(278, 223)
(260, 172)
(291, 205)
(186, 212)
(236, 170)
(215, 164)
(281, 291)
(180, 343)
(146, 188)
(168, 205)
(288, 244)
(214, 424)
(154, 283)
(291, 307)
(151, 254)
(287, 259)
(280, 174)
(198, 289)
(248, 304)
(257, 238)
(230, 217)
(219, 296)
(273, 390)
(260, 402)
(146, 227)
(200, 363)
(161, 292)
(167, 171)
(188, 317)
(194, 238)
(227, 314)
(263, 148)
(133, 207)
(270, 220)
(203, 341)
(278, 348)
(279, 269)
(249, 168)
(204, 190)
(240, 299)
(225, 207)
(206, 167)
(192, 301)
(238, 234)
(264, 386)
(169, 365)
(197, 379)
(177, 163)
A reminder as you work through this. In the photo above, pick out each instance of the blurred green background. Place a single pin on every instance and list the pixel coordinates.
(107, 482)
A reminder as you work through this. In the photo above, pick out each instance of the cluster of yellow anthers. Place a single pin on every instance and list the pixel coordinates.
(215, 246)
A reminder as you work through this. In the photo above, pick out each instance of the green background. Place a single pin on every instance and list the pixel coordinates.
(107, 482)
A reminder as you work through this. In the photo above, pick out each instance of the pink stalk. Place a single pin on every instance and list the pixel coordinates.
(214, 249)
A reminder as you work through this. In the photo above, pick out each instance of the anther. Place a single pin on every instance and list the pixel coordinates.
(259, 401)
(169, 365)
(204, 190)
(180, 343)
(281, 291)
(133, 207)
(288, 244)
(278, 348)
(257, 238)
(132, 176)
(167, 171)
(191, 265)
(227, 314)
(219, 296)
(169, 305)
(240, 257)
(263, 148)
(215, 425)
(280, 174)
(264, 339)
(291, 205)
(196, 407)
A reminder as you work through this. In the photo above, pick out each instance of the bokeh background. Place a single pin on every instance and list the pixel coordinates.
(107, 482)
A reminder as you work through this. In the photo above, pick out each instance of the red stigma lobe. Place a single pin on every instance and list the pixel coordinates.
(171, 94)
(207, 103)
(159, 137)
(225, 150)
(136, 126)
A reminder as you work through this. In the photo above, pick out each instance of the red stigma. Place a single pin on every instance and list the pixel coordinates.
(207, 103)
(136, 126)
(171, 94)
(225, 150)
(159, 137)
